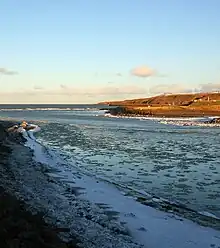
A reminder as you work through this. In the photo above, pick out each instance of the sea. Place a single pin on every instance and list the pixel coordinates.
(176, 163)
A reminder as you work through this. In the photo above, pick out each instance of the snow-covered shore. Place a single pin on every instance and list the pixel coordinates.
(148, 226)
(96, 212)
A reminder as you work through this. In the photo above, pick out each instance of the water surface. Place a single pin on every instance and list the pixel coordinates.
(177, 163)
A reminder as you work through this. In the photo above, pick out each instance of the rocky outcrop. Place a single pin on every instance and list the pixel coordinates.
(169, 111)
(124, 111)
(213, 121)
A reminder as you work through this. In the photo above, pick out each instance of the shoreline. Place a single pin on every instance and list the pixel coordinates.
(170, 105)
(30, 181)
(19, 225)
(161, 112)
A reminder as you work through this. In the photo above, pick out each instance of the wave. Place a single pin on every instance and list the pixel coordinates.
(175, 121)
(189, 123)
(157, 118)
(50, 109)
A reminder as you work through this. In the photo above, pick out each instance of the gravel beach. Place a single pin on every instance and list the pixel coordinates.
(75, 221)
(20, 226)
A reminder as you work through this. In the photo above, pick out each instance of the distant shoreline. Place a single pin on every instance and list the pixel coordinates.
(161, 112)
(168, 105)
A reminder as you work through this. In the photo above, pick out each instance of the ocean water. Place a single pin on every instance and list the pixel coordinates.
(177, 163)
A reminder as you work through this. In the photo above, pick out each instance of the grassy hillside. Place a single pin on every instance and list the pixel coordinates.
(172, 105)
(171, 100)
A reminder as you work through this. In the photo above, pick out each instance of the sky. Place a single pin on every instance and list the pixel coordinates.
(88, 51)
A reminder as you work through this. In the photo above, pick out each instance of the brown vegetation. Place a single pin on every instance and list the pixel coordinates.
(172, 105)
(171, 99)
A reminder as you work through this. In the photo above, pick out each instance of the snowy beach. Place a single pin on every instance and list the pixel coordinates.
(98, 213)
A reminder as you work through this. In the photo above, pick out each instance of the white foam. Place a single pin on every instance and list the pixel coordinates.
(189, 123)
(152, 228)
(209, 215)
(49, 109)
(156, 118)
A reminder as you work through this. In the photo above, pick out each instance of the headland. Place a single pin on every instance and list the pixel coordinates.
(168, 105)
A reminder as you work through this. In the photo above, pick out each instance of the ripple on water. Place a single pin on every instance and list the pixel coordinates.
(169, 162)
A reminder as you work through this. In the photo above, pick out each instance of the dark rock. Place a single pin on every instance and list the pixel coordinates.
(213, 121)
(20, 228)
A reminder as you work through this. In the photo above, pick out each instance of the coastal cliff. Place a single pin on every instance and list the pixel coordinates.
(169, 105)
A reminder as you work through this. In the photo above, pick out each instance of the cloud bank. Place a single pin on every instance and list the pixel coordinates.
(209, 87)
(110, 91)
(97, 91)
(67, 94)
(181, 88)
(170, 88)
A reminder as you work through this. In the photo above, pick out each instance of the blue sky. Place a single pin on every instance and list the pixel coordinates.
(86, 51)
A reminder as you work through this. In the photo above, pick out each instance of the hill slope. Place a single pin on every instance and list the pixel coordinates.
(172, 105)
(170, 99)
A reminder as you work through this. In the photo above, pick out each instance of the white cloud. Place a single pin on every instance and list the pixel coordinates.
(63, 86)
(143, 71)
(38, 88)
(119, 74)
(5, 71)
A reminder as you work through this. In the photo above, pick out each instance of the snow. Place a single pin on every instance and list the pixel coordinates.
(148, 226)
